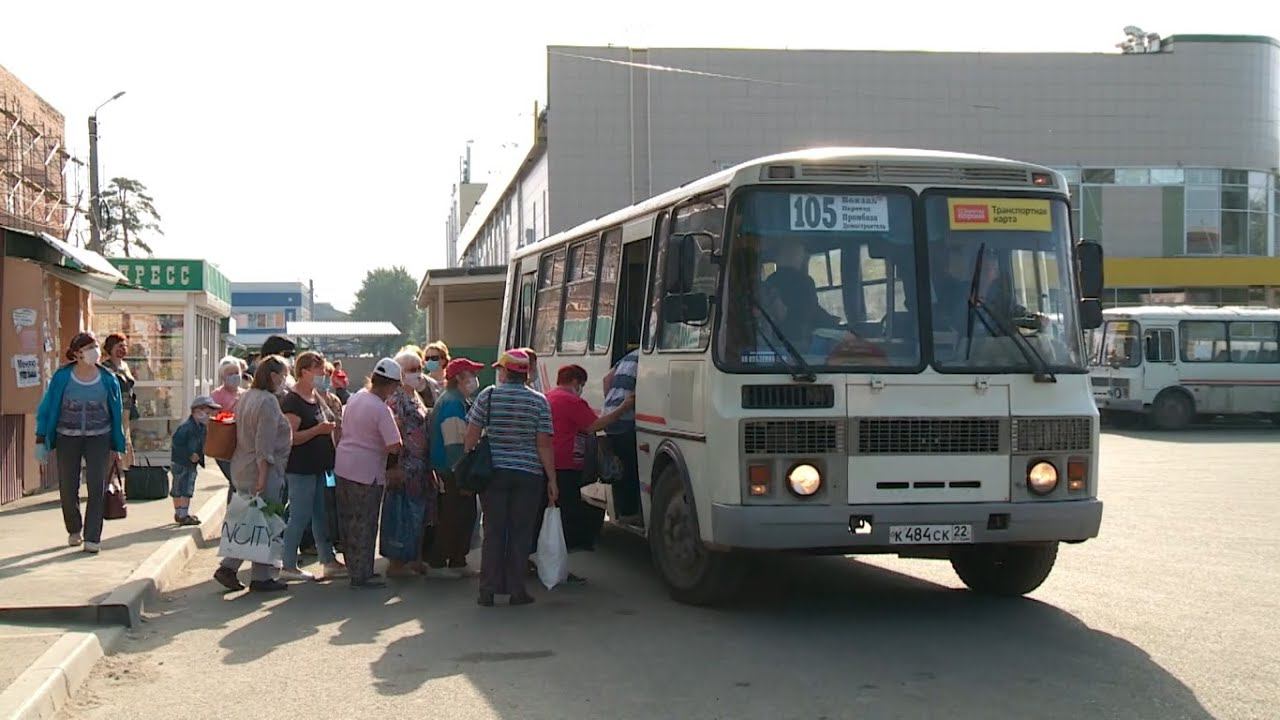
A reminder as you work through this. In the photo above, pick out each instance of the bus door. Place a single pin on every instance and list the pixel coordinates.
(1160, 366)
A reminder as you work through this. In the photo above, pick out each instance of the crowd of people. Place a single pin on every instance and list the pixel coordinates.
(383, 457)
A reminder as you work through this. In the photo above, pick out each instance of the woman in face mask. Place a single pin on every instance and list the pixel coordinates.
(230, 387)
(263, 444)
(409, 504)
(435, 358)
(81, 415)
(447, 555)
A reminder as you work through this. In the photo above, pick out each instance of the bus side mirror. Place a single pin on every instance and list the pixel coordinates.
(1090, 314)
(1089, 268)
(681, 260)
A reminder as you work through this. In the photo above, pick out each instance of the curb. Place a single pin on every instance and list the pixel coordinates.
(45, 687)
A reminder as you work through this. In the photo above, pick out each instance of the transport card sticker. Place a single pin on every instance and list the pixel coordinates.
(840, 213)
(1026, 214)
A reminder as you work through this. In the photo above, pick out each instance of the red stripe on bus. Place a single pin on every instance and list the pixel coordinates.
(1230, 382)
(655, 419)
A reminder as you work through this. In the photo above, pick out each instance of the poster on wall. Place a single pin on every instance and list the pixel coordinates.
(27, 370)
(23, 317)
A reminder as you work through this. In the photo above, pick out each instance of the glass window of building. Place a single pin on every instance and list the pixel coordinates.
(1133, 176)
(1167, 176)
(1099, 176)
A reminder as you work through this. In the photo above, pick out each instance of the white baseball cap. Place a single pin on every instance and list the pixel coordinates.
(387, 368)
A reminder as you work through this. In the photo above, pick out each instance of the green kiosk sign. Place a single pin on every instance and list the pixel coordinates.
(175, 276)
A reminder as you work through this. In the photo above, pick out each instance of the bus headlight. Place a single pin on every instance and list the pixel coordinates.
(1042, 478)
(804, 479)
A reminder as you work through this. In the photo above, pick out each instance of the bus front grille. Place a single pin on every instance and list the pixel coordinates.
(1060, 434)
(928, 436)
(793, 437)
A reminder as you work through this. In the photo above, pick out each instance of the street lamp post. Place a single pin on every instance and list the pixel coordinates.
(95, 210)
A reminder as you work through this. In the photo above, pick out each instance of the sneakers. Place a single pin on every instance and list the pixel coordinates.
(267, 586)
(74, 540)
(92, 548)
(575, 580)
(444, 573)
(296, 574)
(227, 578)
(334, 569)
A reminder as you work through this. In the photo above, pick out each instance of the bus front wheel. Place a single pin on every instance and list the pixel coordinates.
(693, 573)
(1008, 570)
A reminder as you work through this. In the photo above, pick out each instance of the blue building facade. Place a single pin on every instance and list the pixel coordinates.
(263, 309)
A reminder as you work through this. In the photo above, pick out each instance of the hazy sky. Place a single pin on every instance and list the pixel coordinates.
(317, 140)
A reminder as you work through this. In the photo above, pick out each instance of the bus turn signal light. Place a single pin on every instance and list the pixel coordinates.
(759, 478)
(1042, 179)
(1076, 470)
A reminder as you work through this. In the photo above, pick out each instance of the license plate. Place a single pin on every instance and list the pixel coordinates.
(930, 534)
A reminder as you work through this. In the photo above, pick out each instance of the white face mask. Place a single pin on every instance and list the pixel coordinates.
(90, 356)
(231, 380)
(412, 380)
(200, 416)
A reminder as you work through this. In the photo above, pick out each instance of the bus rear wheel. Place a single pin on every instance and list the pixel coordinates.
(1172, 411)
(1008, 570)
(693, 573)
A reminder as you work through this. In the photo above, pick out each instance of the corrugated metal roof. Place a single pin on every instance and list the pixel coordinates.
(1194, 311)
(342, 328)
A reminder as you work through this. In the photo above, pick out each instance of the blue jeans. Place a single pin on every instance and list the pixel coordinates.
(306, 506)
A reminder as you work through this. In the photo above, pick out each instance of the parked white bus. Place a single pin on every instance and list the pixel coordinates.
(840, 351)
(1172, 363)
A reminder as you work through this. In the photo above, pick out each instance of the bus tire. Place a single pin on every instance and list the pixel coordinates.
(1006, 570)
(693, 574)
(1172, 410)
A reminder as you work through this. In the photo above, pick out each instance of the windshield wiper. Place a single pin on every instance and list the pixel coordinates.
(800, 370)
(976, 305)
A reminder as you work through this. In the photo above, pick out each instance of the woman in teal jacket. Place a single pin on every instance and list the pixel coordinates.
(81, 415)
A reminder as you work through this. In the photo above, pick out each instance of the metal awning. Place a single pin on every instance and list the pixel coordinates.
(80, 267)
(341, 328)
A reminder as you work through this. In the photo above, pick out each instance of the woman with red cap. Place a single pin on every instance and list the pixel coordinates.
(82, 416)
(447, 556)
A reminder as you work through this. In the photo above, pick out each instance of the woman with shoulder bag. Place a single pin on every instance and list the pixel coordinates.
(82, 417)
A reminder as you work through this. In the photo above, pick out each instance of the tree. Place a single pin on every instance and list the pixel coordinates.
(389, 294)
(128, 212)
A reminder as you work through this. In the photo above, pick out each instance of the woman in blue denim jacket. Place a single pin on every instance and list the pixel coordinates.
(81, 415)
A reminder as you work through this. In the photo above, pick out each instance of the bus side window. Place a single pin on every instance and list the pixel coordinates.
(521, 312)
(1159, 346)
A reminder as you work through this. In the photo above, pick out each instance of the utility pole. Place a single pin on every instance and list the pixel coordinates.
(95, 202)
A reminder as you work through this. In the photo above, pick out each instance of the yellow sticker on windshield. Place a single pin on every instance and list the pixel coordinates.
(1000, 214)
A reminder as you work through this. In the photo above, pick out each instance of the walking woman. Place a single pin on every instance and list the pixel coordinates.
(263, 443)
(231, 372)
(116, 347)
(370, 443)
(517, 420)
(408, 506)
(81, 416)
(456, 514)
(311, 459)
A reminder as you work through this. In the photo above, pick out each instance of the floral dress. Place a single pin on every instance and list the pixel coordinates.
(407, 510)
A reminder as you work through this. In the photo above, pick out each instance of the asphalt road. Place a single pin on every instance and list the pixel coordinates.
(1172, 613)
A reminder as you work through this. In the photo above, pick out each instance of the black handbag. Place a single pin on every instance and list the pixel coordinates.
(146, 483)
(474, 470)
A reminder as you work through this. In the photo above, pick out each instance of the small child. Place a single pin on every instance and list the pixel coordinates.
(187, 453)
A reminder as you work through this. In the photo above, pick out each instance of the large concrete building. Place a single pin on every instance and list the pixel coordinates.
(1173, 153)
(263, 309)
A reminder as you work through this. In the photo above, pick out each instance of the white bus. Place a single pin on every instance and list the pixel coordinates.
(1173, 363)
(840, 351)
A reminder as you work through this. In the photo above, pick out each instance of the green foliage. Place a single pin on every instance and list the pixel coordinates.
(390, 294)
(128, 212)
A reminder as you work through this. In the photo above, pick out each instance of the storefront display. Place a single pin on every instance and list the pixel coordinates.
(175, 341)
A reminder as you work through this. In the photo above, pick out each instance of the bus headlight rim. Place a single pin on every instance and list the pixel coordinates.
(804, 479)
(1042, 477)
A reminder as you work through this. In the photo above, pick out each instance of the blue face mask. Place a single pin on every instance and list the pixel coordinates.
(322, 384)
(433, 366)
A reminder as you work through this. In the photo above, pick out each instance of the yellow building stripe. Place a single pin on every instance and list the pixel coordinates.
(1178, 272)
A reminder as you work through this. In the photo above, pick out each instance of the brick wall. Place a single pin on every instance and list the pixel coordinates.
(32, 158)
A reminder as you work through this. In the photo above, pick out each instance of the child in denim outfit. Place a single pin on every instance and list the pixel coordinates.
(187, 453)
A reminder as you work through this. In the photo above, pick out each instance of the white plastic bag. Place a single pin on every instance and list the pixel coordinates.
(250, 534)
(552, 557)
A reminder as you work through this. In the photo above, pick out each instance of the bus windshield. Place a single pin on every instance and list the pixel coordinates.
(825, 274)
(1115, 344)
(1001, 290)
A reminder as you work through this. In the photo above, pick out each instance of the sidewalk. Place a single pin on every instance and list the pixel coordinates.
(61, 609)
